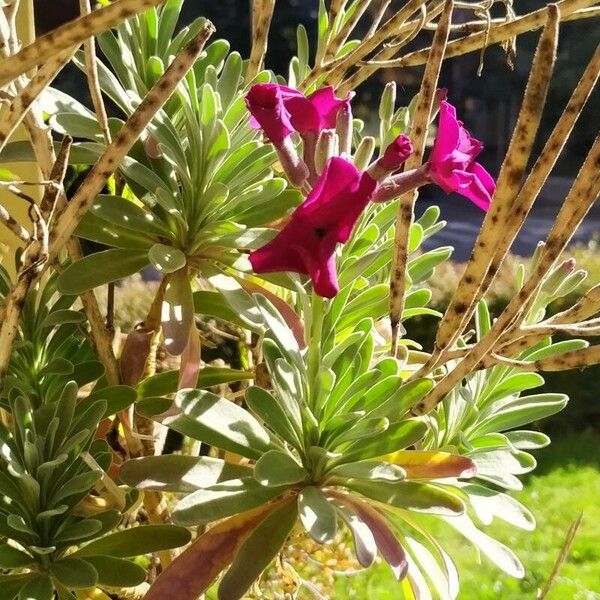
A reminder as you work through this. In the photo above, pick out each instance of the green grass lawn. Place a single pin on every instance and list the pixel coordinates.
(566, 483)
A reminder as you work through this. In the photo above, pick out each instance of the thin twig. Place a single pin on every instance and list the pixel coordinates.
(381, 10)
(388, 30)
(10, 223)
(340, 39)
(542, 168)
(91, 71)
(406, 33)
(497, 34)
(561, 558)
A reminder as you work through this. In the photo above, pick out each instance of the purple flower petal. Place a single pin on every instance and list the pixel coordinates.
(266, 105)
(452, 163)
(307, 243)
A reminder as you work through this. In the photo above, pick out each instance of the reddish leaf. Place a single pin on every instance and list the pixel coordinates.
(190, 361)
(134, 356)
(285, 310)
(386, 541)
(193, 571)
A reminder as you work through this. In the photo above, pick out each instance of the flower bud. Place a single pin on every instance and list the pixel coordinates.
(364, 152)
(571, 283)
(388, 102)
(152, 148)
(558, 277)
(325, 149)
(535, 258)
(392, 159)
(344, 129)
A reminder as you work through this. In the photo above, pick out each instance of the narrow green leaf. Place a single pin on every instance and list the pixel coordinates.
(410, 495)
(137, 540)
(40, 588)
(12, 558)
(116, 572)
(100, 268)
(178, 473)
(219, 422)
(166, 259)
(223, 500)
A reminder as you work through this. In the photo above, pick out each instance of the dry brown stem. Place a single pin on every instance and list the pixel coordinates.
(69, 35)
(261, 22)
(91, 71)
(418, 134)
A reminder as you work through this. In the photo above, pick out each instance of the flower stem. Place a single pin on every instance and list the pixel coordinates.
(396, 186)
(317, 314)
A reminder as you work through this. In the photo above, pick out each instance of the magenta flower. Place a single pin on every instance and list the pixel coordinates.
(452, 163)
(268, 112)
(316, 112)
(280, 110)
(307, 243)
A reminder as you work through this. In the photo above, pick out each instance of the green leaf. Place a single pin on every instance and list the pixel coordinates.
(7, 175)
(12, 558)
(275, 468)
(273, 415)
(166, 259)
(125, 213)
(229, 80)
(78, 531)
(165, 383)
(369, 469)
(11, 584)
(499, 554)
(116, 572)
(213, 304)
(421, 268)
(40, 588)
(179, 473)
(488, 503)
(257, 552)
(219, 422)
(62, 316)
(397, 437)
(137, 540)
(527, 440)
(317, 514)
(100, 268)
(74, 573)
(152, 407)
(223, 500)
(500, 416)
(117, 397)
(410, 495)
(99, 230)
(373, 303)
(519, 382)
(303, 50)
